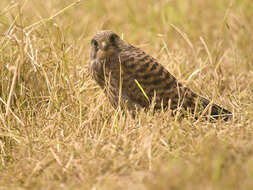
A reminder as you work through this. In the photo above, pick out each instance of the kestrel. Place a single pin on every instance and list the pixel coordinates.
(133, 79)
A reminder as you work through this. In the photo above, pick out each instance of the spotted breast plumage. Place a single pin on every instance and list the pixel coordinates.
(134, 79)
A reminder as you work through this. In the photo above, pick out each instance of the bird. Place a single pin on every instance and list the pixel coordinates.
(132, 79)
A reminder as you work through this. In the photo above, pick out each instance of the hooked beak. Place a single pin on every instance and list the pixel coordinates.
(104, 45)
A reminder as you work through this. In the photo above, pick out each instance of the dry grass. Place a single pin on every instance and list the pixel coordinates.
(57, 129)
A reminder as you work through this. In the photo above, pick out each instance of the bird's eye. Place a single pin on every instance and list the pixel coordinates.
(94, 42)
(113, 37)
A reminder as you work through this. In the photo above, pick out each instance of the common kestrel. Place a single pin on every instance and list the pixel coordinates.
(134, 79)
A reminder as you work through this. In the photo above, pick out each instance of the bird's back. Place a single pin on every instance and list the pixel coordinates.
(145, 80)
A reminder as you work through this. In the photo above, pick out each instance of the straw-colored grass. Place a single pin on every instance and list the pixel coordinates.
(59, 131)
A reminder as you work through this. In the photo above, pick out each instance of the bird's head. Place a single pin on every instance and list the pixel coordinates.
(104, 44)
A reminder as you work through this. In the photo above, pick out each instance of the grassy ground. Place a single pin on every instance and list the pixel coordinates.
(57, 129)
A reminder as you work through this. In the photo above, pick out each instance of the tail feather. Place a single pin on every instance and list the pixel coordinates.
(217, 112)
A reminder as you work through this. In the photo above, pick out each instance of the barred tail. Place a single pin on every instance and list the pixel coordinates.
(217, 112)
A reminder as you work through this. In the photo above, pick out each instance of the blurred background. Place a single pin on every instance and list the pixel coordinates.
(57, 129)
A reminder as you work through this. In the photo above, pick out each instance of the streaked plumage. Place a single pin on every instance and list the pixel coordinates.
(135, 79)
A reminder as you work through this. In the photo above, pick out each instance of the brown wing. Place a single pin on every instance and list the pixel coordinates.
(155, 80)
(159, 84)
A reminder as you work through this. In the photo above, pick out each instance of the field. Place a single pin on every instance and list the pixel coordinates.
(59, 131)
